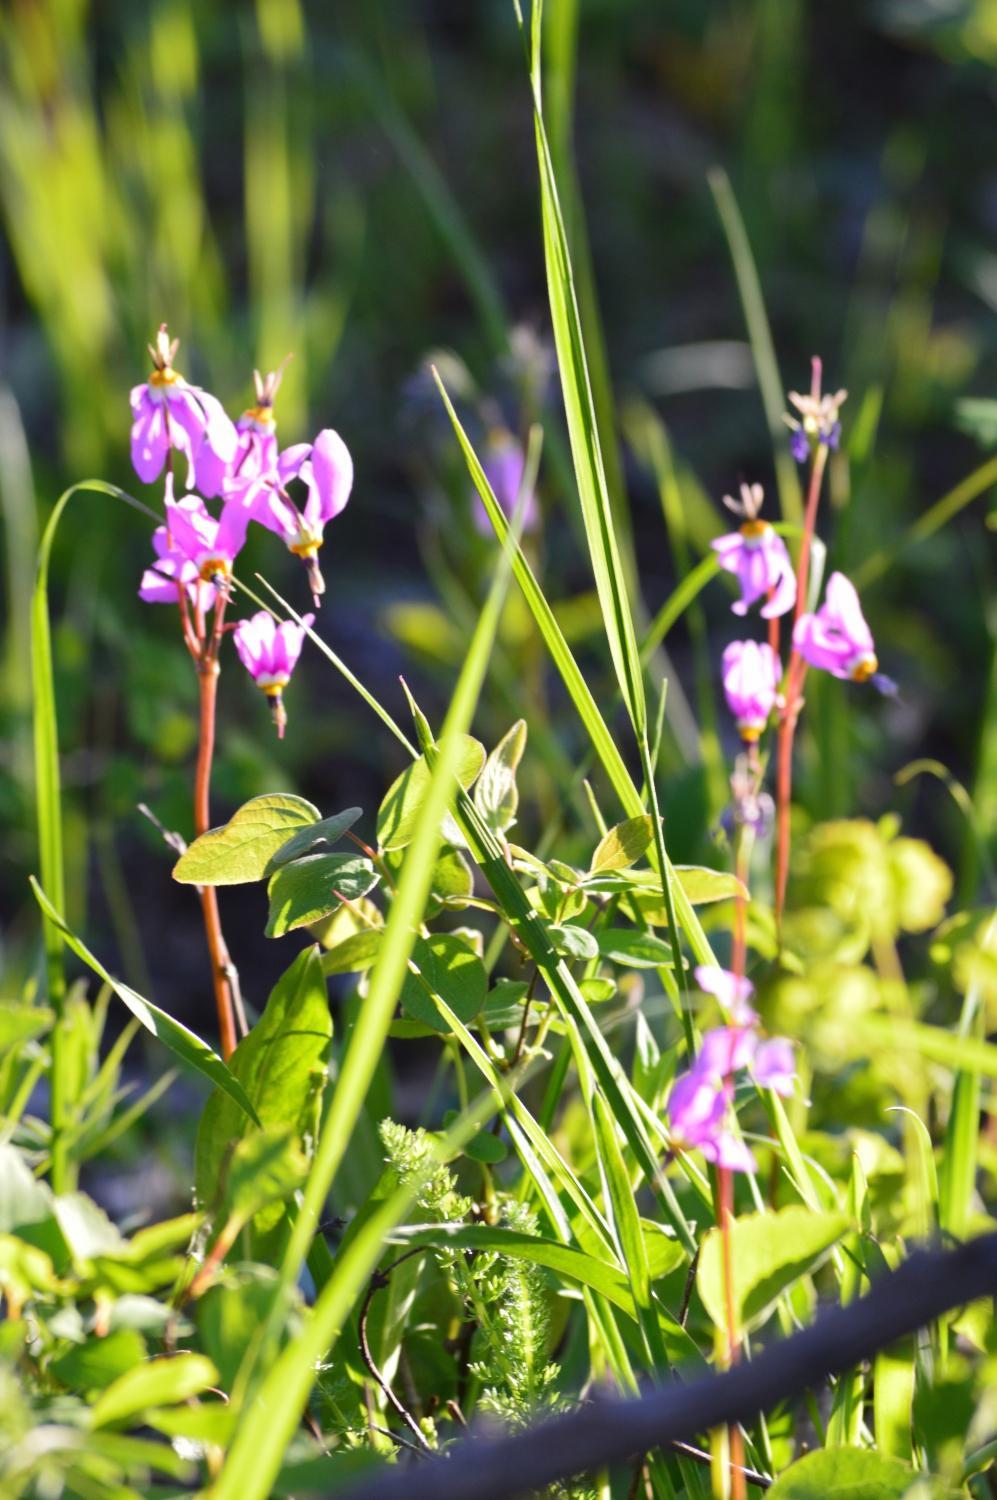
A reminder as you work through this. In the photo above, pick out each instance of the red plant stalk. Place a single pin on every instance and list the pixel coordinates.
(222, 970)
(794, 686)
(204, 654)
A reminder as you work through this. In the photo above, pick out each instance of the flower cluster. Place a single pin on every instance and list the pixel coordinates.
(835, 638)
(240, 466)
(701, 1103)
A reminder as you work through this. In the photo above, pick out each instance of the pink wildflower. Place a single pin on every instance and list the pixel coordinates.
(757, 557)
(270, 652)
(167, 412)
(751, 673)
(837, 637)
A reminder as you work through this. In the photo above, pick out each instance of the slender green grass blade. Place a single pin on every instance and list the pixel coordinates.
(49, 816)
(770, 384)
(182, 1042)
(932, 520)
(582, 420)
(619, 1198)
(588, 711)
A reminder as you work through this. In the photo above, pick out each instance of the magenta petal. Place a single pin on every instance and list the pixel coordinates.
(290, 462)
(733, 1155)
(331, 478)
(726, 1050)
(231, 534)
(218, 429)
(148, 440)
(773, 1066)
(156, 588)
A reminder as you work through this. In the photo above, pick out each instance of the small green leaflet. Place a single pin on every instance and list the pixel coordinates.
(310, 888)
(622, 846)
(396, 817)
(496, 795)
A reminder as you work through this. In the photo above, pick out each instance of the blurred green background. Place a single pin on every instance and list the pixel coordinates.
(356, 184)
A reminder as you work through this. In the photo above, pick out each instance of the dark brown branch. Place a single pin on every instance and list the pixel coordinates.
(377, 1282)
(610, 1430)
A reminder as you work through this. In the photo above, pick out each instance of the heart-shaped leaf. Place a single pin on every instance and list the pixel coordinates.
(446, 967)
(312, 887)
(241, 851)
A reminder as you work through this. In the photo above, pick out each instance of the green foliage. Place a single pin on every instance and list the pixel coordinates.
(770, 1253)
(282, 1065)
(244, 849)
(558, 1210)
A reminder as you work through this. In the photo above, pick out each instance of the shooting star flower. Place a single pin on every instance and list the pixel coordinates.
(818, 420)
(168, 412)
(270, 652)
(837, 638)
(504, 463)
(751, 674)
(757, 557)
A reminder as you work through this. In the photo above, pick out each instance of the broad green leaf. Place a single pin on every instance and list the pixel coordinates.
(702, 885)
(229, 1317)
(314, 838)
(633, 949)
(22, 1023)
(311, 888)
(496, 795)
(86, 1228)
(24, 1199)
(623, 845)
(94, 1364)
(397, 815)
(171, 1033)
(573, 941)
(846, 1474)
(597, 990)
(699, 884)
(242, 850)
(354, 954)
(282, 1065)
(158, 1382)
(453, 879)
(449, 968)
(266, 1167)
(770, 1252)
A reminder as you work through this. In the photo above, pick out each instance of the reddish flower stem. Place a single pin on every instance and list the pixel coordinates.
(221, 963)
(794, 685)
